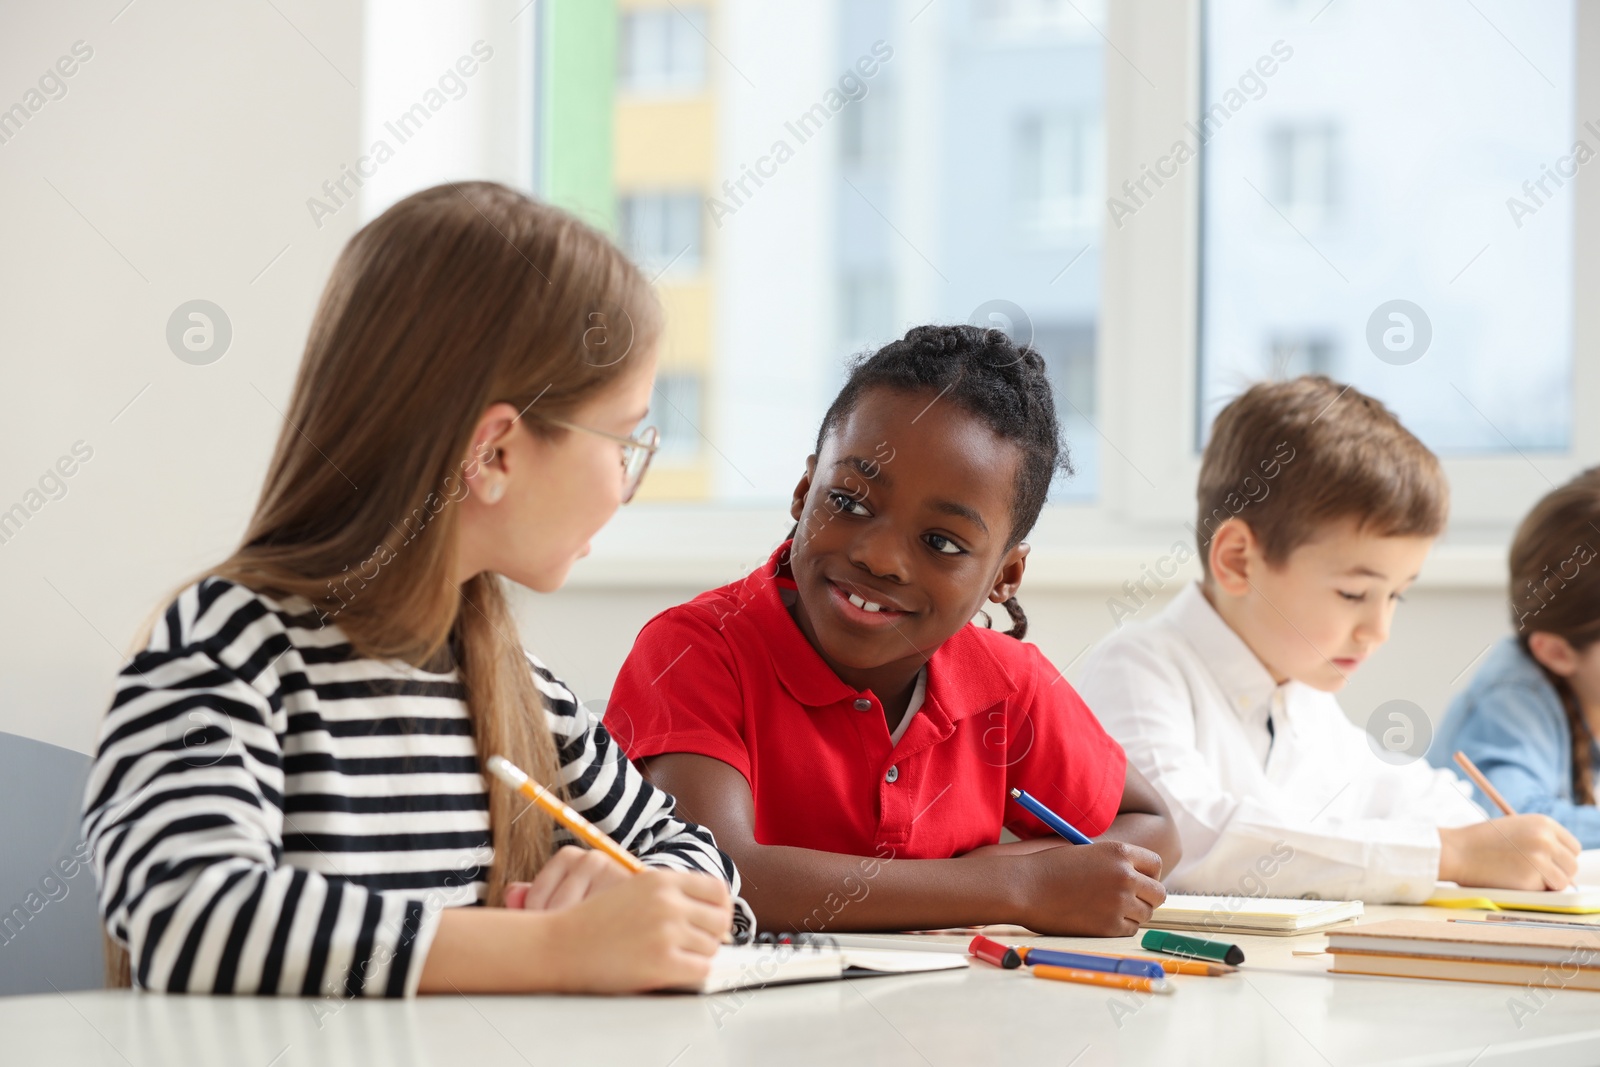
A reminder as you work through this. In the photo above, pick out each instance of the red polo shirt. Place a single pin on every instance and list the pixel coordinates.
(729, 675)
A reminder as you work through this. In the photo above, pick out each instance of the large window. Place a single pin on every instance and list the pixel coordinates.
(1169, 202)
(830, 182)
(1387, 199)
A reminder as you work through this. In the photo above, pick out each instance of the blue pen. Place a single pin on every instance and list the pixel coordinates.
(1088, 961)
(1049, 818)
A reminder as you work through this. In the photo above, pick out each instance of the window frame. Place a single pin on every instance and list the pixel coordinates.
(1147, 332)
(1152, 287)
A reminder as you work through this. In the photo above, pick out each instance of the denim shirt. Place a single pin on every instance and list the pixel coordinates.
(1509, 721)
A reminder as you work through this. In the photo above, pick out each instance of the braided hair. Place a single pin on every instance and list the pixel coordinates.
(1555, 588)
(1004, 384)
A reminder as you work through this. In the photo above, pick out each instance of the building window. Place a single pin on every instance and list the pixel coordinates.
(1302, 163)
(1058, 165)
(662, 50)
(661, 231)
(866, 138)
(675, 410)
(1068, 351)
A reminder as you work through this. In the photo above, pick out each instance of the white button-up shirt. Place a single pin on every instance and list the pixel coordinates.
(1305, 808)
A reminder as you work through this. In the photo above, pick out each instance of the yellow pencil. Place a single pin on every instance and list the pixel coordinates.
(551, 805)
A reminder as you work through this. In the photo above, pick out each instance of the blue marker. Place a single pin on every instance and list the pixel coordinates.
(1049, 818)
(1088, 961)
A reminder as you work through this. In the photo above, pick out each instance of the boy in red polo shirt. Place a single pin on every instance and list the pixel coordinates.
(842, 726)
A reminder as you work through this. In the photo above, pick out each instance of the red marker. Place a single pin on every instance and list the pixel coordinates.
(994, 952)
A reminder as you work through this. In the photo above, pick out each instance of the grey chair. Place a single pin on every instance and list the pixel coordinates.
(49, 930)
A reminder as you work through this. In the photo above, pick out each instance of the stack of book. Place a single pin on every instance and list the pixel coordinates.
(1552, 956)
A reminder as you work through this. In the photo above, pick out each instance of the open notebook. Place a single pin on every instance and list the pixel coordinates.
(1581, 899)
(818, 959)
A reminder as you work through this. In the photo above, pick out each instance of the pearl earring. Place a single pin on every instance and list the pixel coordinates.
(496, 491)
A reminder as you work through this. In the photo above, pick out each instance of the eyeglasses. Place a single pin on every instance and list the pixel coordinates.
(636, 451)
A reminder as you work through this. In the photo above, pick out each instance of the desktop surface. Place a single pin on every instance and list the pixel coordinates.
(1281, 1008)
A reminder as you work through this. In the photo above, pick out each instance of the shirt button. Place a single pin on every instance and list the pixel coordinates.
(863, 704)
(893, 775)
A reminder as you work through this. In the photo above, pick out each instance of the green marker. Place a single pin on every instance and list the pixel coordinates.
(1193, 947)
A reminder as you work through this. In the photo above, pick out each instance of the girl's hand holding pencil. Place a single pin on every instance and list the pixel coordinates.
(596, 921)
(573, 874)
(657, 930)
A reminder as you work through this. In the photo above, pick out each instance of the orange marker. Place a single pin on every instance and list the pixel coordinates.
(550, 804)
(1103, 978)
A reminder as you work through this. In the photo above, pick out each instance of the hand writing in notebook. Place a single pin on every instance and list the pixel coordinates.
(1515, 852)
(1104, 888)
(657, 929)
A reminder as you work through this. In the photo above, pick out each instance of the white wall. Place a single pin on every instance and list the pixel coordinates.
(177, 166)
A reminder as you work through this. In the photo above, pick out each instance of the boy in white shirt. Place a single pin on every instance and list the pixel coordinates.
(1316, 510)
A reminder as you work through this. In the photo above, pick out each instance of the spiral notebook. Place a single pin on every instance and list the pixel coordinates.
(811, 958)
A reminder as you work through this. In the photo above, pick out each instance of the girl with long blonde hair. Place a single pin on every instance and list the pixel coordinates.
(289, 792)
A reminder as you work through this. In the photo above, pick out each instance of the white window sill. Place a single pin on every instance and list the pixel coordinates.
(697, 548)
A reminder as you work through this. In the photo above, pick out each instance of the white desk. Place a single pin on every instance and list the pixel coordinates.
(1280, 1009)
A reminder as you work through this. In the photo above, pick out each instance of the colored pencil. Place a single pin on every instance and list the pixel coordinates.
(1483, 783)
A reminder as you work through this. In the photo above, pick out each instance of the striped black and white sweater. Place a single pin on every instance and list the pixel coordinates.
(268, 812)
